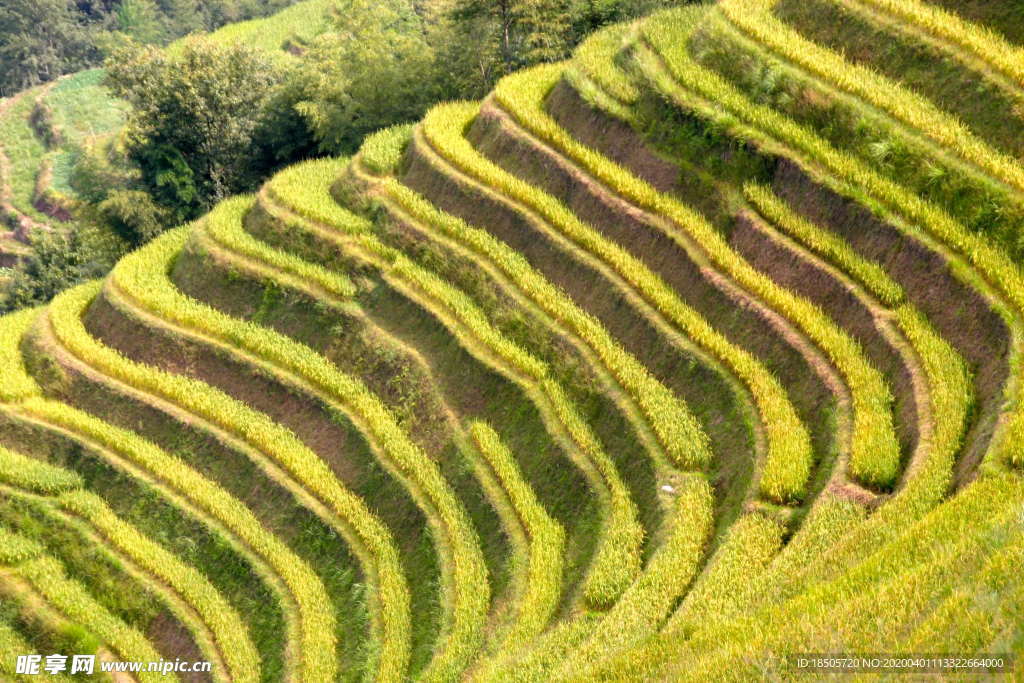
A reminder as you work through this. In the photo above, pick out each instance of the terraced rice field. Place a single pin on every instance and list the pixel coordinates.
(22, 151)
(693, 353)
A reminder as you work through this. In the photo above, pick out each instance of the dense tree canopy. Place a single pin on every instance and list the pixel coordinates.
(374, 68)
(57, 260)
(193, 120)
(479, 41)
(387, 61)
(40, 40)
(43, 39)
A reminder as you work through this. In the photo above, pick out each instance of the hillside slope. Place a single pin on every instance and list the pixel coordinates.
(43, 129)
(699, 350)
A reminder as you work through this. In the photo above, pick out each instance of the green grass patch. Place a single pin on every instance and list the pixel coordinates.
(300, 22)
(24, 152)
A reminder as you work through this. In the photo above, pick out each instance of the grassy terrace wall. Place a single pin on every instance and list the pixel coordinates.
(702, 346)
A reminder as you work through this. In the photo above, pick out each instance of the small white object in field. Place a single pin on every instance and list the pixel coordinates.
(668, 489)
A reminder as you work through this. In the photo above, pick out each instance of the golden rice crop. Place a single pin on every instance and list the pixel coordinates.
(950, 390)
(268, 438)
(928, 486)
(28, 474)
(71, 599)
(15, 548)
(537, 605)
(895, 602)
(757, 122)
(922, 555)
(545, 560)
(754, 18)
(963, 623)
(825, 243)
(668, 35)
(35, 475)
(311, 600)
(618, 555)
(750, 544)
(678, 431)
(15, 386)
(296, 187)
(980, 41)
(594, 58)
(909, 571)
(460, 549)
(12, 645)
(382, 151)
(829, 519)
(647, 602)
(38, 476)
(788, 464)
(224, 225)
(229, 631)
(617, 560)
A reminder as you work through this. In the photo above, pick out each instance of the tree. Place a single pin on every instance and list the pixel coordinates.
(500, 36)
(590, 15)
(499, 16)
(140, 19)
(181, 17)
(132, 215)
(58, 260)
(193, 120)
(39, 41)
(373, 69)
(96, 9)
(487, 39)
(547, 29)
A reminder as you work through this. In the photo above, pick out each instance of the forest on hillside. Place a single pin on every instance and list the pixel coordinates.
(43, 39)
(214, 113)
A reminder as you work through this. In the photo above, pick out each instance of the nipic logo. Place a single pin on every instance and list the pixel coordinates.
(33, 665)
(55, 664)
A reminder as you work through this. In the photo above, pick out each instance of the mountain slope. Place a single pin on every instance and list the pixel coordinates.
(696, 351)
(44, 129)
